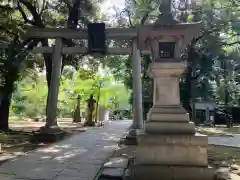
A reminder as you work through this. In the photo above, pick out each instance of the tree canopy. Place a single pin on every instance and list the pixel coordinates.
(213, 56)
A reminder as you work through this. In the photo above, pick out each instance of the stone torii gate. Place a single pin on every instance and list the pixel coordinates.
(58, 50)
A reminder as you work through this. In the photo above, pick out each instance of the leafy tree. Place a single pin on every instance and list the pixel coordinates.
(22, 14)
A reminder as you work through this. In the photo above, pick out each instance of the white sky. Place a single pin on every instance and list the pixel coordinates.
(107, 6)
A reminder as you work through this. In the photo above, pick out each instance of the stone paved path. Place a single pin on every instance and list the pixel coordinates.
(77, 158)
(225, 141)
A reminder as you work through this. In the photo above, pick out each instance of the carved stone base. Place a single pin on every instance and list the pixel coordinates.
(172, 150)
(169, 128)
(168, 114)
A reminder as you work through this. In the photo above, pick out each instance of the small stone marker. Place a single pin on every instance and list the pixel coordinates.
(113, 173)
(116, 162)
(114, 168)
(235, 167)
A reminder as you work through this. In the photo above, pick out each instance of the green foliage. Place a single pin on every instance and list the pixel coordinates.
(29, 99)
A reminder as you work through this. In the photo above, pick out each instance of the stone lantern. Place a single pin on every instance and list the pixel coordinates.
(169, 148)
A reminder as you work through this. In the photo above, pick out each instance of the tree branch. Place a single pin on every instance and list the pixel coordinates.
(204, 33)
(37, 18)
(67, 3)
(145, 17)
(128, 16)
(44, 4)
(19, 7)
(230, 44)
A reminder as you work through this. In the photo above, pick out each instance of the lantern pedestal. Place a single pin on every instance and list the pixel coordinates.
(169, 148)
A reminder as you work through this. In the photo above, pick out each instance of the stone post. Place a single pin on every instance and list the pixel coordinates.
(207, 121)
(54, 86)
(77, 111)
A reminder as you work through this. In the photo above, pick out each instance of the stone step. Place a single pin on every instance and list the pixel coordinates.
(153, 172)
(152, 127)
(128, 141)
(192, 140)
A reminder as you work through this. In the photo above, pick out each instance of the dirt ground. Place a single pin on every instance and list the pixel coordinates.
(223, 156)
(19, 141)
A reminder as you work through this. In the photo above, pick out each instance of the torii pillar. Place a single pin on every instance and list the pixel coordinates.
(137, 122)
(137, 87)
(51, 125)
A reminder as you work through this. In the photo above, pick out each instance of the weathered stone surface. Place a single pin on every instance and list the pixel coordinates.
(117, 162)
(113, 173)
(155, 172)
(196, 140)
(169, 128)
(172, 155)
(166, 90)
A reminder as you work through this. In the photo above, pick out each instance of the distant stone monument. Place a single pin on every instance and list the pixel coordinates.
(90, 111)
(77, 112)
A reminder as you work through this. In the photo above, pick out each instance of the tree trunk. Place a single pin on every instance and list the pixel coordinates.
(4, 111)
(6, 100)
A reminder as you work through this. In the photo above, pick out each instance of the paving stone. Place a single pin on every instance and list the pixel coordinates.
(35, 175)
(6, 177)
(225, 141)
(81, 174)
(6, 157)
(79, 166)
(70, 178)
(79, 157)
(117, 162)
(112, 173)
(89, 161)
